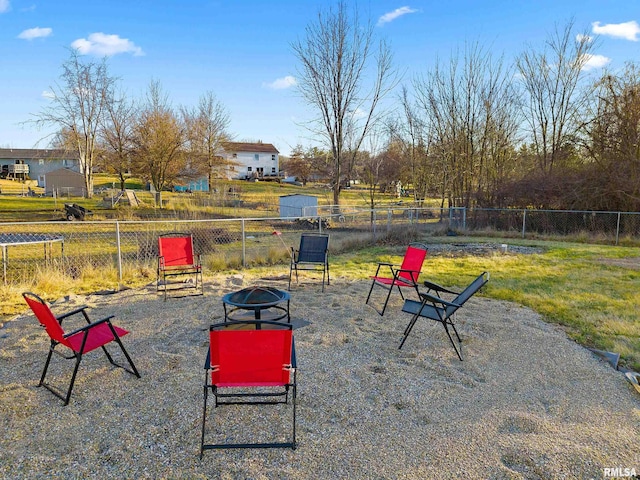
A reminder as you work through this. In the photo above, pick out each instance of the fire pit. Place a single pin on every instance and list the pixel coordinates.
(257, 303)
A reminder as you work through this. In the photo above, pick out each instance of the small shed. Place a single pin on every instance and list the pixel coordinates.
(298, 206)
(64, 182)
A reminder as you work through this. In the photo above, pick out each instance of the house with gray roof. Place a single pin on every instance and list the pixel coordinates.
(35, 163)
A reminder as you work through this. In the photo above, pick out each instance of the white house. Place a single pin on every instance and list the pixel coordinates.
(250, 160)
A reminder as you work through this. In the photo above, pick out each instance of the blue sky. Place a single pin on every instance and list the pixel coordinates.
(240, 50)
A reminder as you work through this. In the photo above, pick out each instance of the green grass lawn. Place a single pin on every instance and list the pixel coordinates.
(592, 291)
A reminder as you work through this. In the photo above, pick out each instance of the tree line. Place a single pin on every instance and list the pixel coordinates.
(472, 130)
(150, 138)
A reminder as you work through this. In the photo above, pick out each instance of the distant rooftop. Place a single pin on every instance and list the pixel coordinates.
(34, 153)
(258, 147)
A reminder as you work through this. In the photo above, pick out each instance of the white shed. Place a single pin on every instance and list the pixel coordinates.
(298, 206)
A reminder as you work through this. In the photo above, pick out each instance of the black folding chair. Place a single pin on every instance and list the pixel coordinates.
(440, 310)
(313, 254)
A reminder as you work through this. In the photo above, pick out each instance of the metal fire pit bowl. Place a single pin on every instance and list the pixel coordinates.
(257, 303)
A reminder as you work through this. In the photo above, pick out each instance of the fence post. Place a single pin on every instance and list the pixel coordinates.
(618, 229)
(389, 220)
(244, 246)
(119, 251)
(375, 224)
(524, 221)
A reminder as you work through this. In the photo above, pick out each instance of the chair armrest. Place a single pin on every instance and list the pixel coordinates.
(90, 326)
(71, 312)
(427, 297)
(400, 270)
(438, 288)
(385, 264)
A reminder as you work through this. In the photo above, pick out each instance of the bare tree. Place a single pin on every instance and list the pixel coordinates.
(159, 138)
(334, 57)
(116, 136)
(207, 128)
(468, 110)
(553, 99)
(613, 143)
(78, 103)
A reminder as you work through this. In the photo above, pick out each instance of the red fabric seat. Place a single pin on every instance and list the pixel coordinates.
(97, 336)
(250, 363)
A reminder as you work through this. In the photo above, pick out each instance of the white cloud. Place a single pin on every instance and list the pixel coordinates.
(101, 44)
(36, 32)
(48, 95)
(626, 30)
(282, 83)
(4, 6)
(391, 16)
(595, 61)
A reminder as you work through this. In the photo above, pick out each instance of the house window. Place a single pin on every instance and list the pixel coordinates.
(256, 157)
(248, 169)
(235, 155)
(273, 169)
(273, 158)
(41, 161)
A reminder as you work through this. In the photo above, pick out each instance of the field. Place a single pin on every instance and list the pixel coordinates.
(590, 290)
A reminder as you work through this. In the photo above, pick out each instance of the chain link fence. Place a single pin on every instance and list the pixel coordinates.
(29, 249)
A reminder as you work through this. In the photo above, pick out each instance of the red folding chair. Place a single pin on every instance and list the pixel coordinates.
(404, 277)
(82, 340)
(250, 363)
(176, 257)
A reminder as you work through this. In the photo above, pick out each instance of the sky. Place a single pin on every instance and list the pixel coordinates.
(241, 50)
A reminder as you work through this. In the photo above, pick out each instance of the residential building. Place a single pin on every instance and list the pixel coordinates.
(248, 161)
(34, 163)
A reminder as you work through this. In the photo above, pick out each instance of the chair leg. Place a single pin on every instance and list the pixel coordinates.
(73, 378)
(446, 328)
(204, 418)
(46, 365)
(407, 330)
(370, 290)
(134, 370)
(293, 441)
(387, 300)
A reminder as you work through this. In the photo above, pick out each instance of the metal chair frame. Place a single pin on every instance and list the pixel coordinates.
(435, 308)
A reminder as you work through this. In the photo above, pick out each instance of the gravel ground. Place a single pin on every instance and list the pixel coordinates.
(526, 402)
